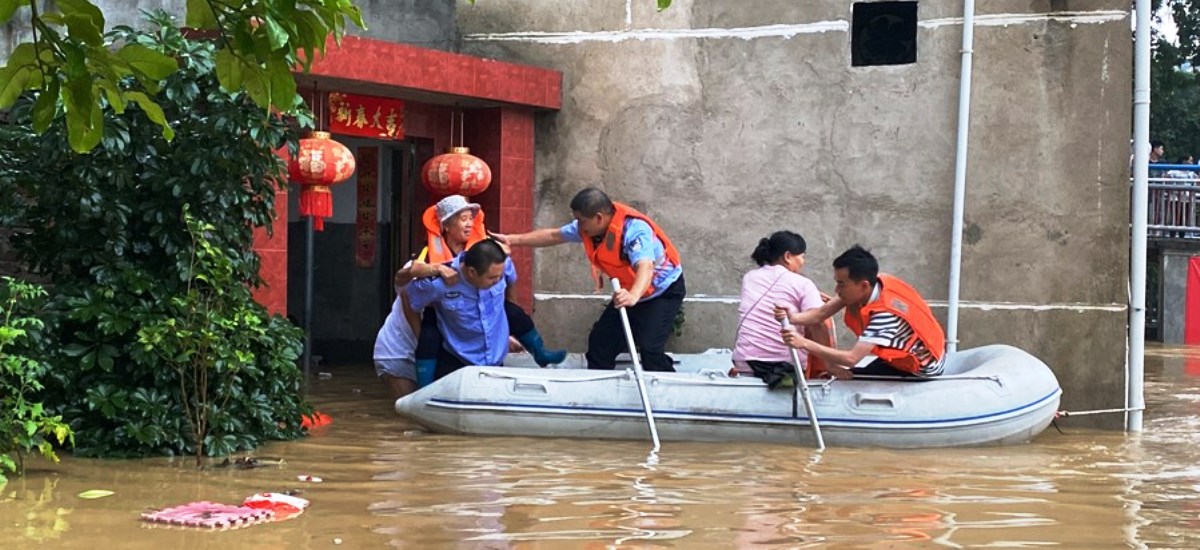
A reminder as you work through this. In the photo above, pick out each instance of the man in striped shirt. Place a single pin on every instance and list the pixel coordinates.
(897, 333)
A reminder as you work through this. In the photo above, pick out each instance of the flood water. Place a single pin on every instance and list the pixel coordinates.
(387, 485)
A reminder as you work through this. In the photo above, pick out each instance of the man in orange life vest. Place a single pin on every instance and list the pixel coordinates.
(897, 334)
(626, 245)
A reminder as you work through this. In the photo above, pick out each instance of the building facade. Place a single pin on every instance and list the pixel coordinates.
(726, 121)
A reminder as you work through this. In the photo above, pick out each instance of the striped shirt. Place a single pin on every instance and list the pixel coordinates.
(890, 331)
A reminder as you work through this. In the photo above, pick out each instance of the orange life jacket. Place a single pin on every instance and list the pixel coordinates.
(816, 365)
(608, 258)
(898, 298)
(436, 251)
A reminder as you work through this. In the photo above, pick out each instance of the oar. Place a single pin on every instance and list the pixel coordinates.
(802, 385)
(637, 371)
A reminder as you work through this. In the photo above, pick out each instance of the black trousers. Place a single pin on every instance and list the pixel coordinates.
(651, 322)
(429, 342)
(879, 367)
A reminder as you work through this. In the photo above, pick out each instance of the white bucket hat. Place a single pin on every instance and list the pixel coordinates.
(450, 206)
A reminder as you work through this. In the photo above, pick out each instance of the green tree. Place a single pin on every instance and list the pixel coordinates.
(25, 425)
(110, 230)
(1174, 82)
(77, 70)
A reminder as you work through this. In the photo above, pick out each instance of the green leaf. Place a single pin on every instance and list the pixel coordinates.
(663, 4)
(276, 36)
(13, 79)
(115, 98)
(84, 130)
(7, 8)
(45, 108)
(229, 70)
(153, 111)
(200, 15)
(95, 494)
(254, 80)
(154, 65)
(83, 8)
(80, 27)
(283, 84)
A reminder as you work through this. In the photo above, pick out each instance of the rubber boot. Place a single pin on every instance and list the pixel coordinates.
(425, 371)
(534, 345)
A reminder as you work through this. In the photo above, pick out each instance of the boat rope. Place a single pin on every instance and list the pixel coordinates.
(1064, 414)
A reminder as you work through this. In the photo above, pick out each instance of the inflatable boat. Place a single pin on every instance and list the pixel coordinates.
(991, 395)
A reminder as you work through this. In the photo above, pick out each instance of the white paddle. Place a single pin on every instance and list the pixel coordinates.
(637, 371)
(802, 385)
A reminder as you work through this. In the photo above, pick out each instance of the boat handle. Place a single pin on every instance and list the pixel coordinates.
(534, 387)
(868, 400)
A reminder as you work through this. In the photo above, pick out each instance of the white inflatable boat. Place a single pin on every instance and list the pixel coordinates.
(991, 395)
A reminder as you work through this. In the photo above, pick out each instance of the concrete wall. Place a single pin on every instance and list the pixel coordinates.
(1173, 308)
(726, 123)
(425, 23)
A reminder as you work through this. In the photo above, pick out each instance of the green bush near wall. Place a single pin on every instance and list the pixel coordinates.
(154, 343)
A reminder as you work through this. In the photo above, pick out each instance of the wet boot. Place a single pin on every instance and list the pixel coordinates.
(426, 368)
(532, 341)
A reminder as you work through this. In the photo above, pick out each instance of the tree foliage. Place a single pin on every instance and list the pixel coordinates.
(143, 236)
(77, 70)
(1175, 83)
(25, 425)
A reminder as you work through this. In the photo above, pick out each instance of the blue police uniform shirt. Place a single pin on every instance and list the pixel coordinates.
(471, 320)
(638, 243)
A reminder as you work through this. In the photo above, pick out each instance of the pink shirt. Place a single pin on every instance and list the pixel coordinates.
(758, 336)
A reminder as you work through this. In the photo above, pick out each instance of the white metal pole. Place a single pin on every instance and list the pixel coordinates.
(801, 384)
(1134, 399)
(637, 373)
(960, 173)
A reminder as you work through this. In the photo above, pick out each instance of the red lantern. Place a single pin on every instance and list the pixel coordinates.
(456, 173)
(322, 162)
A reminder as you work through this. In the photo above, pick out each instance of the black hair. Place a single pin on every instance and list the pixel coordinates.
(859, 264)
(771, 249)
(1157, 143)
(483, 255)
(592, 201)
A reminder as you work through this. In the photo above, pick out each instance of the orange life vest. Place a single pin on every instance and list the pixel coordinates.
(608, 258)
(816, 365)
(900, 299)
(436, 251)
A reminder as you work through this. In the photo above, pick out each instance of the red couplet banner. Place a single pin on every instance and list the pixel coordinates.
(364, 115)
(1191, 319)
(367, 208)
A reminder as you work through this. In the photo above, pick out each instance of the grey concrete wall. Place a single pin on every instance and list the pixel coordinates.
(1173, 308)
(425, 23)
(726, 122)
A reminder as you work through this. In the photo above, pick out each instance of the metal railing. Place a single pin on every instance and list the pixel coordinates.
(1174, 202)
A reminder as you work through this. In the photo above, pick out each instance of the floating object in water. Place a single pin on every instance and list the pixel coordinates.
(95, 493)
(308, 478)
(251, 462)
(282, 505)
(213, 515)
(315, 420)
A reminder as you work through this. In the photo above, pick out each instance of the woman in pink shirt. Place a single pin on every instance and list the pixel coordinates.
(760, 349)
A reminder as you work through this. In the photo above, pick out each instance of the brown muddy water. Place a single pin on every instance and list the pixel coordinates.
(385, 485)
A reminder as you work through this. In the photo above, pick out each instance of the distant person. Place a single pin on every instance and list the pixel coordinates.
(758, 348)
(451, 226)
(897, 333)
(628, 246)
(1158, 151)
(468, 295)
